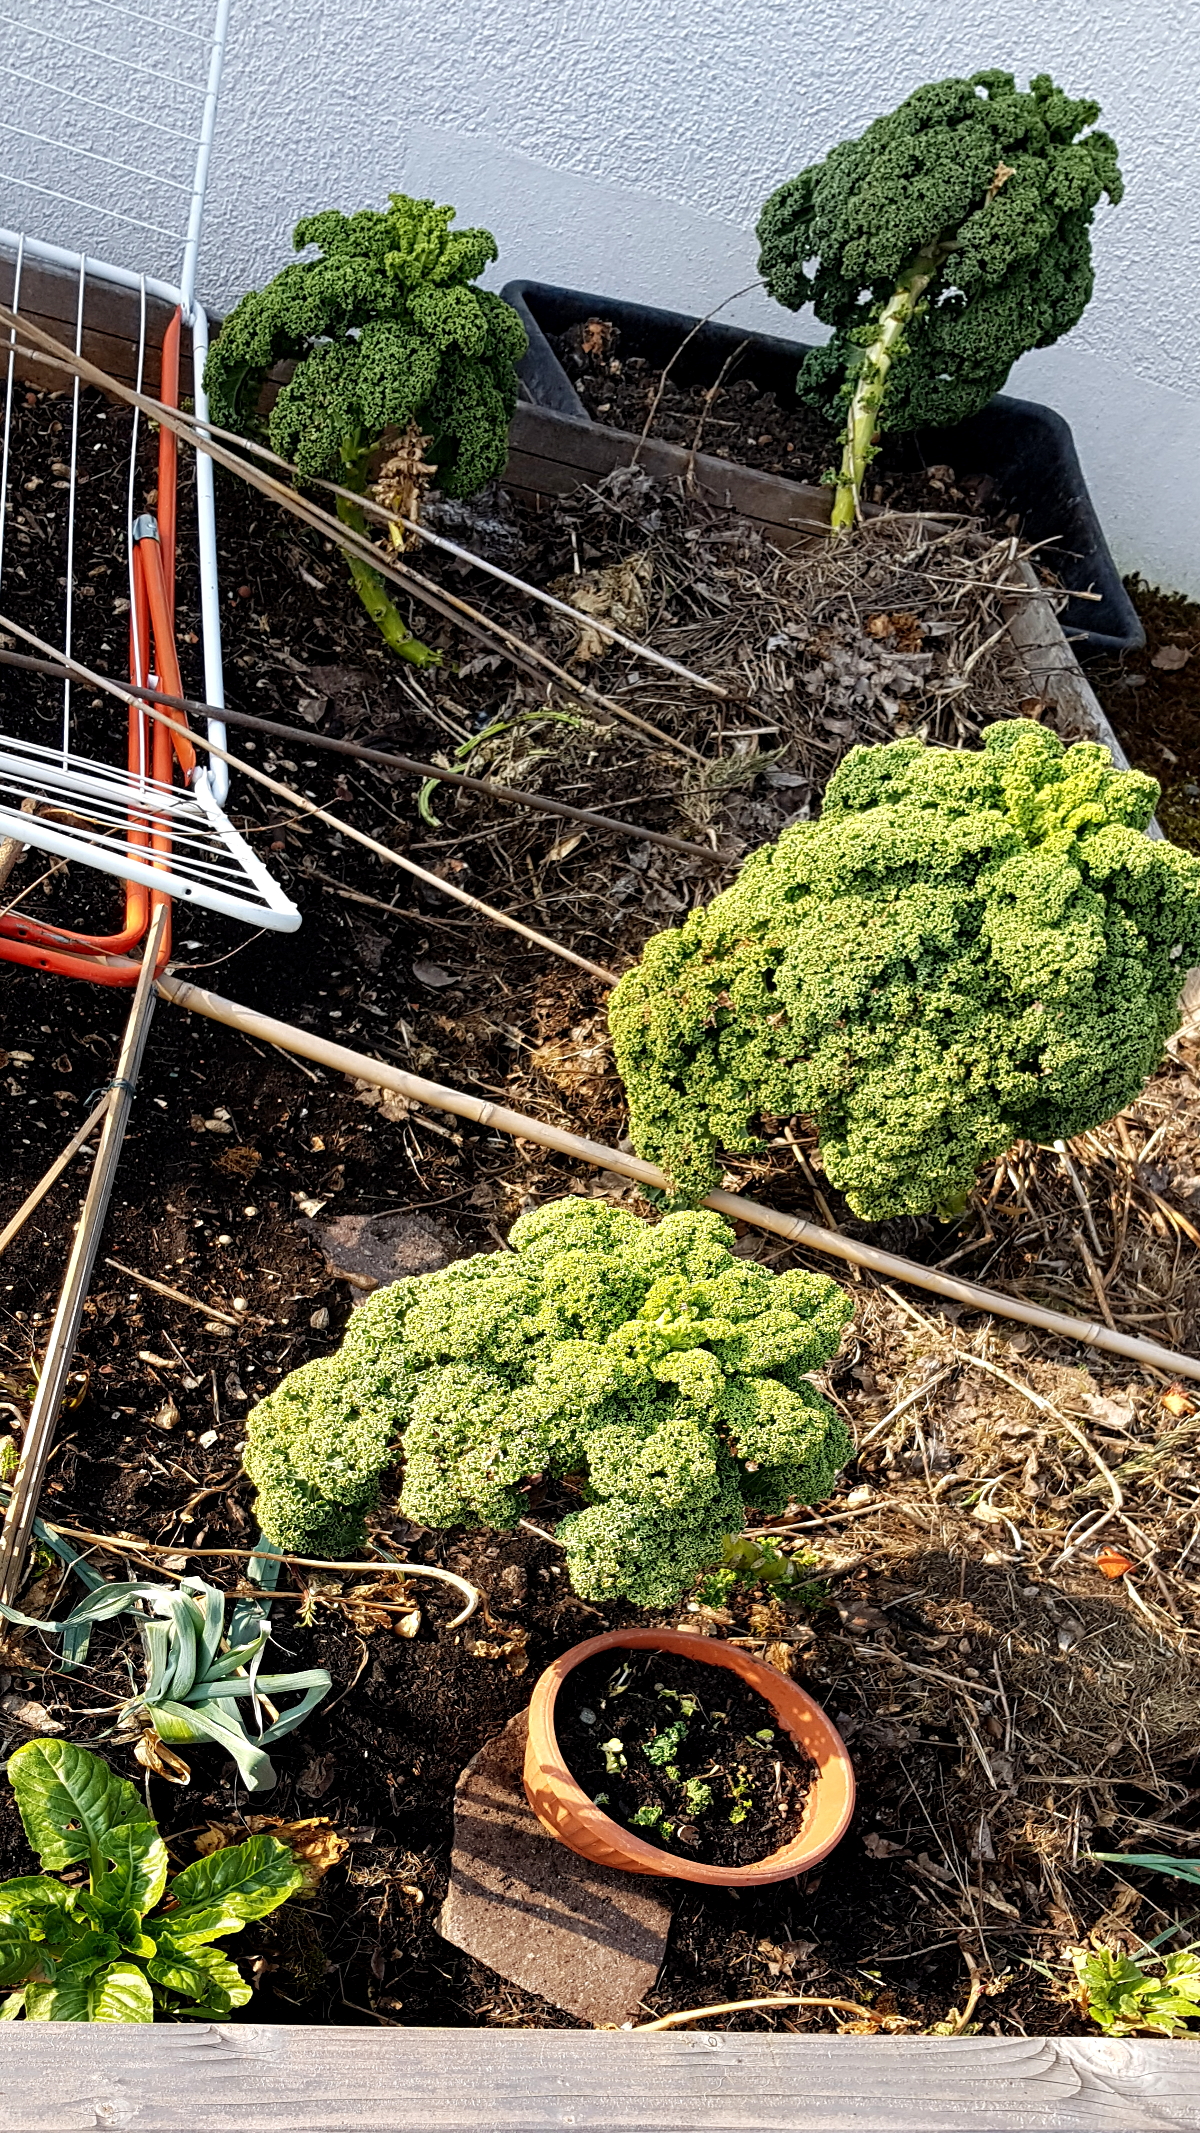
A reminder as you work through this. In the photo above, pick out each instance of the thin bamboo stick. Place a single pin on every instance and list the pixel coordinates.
(199, 435)
(793, 1228)
(321, 814)
(13, 1228)
(370, 508)
(56, 1363)
(304, 737)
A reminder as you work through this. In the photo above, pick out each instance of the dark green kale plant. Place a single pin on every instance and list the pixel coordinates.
(126, 1942)
(390, 340)
(951, 237)
(643, 1357)
(967, 949)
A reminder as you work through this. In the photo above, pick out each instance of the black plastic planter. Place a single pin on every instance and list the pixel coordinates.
(1027, 449)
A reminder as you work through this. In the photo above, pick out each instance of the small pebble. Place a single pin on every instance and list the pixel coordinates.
(240, 1303)
(587, 1718)
(224, 1238)
(209, 1437)
(319, 1320)
(249, 1212)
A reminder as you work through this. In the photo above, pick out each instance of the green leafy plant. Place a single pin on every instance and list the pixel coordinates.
(126, 1942)
(646, 1358)
(967, 949)
(944, 242)
(395, 351)
(197, 1678)
(1155, 1863)
(1125, 1999)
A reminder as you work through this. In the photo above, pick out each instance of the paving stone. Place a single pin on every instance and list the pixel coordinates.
(369, 1251)
(587, 1938)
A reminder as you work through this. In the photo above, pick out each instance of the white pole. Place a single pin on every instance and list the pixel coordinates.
(208, 120)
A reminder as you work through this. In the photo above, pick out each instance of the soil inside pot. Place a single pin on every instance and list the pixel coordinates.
(732, 416)
(685, 1758)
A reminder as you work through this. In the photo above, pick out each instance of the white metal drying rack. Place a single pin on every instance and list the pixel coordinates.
(207, 863)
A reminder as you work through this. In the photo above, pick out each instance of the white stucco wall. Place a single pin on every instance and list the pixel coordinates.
(626, 145)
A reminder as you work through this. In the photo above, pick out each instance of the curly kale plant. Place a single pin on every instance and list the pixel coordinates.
(644, 1358)
(966, 950)
(103, 1950)
(951, 237)
(387, 331)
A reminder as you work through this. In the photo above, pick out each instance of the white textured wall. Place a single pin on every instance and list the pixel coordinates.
(625, 146)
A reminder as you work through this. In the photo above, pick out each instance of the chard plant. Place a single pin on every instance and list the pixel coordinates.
(125, 1943)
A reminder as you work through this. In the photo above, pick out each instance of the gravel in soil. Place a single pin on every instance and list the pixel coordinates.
(945, 1612)
(689, 1761)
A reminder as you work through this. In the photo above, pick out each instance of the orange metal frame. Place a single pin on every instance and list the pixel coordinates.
(104, 959)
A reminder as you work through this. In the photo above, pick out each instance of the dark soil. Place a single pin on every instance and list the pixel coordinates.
(228, 1147)
(734, 417)
(686, 1759)
(1155, 706)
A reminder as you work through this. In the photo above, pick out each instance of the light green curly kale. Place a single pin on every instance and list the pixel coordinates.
(644, 1357)
(386, 328)
(966, 950)
(951, 237)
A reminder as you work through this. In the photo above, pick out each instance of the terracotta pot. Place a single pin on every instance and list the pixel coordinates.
(567, 1812)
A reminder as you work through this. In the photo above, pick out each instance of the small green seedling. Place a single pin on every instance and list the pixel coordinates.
(663, 1749)
(125, 1943)
(1125, 2000)
(697, 1796)
(689, 1705)
(613, 1752)
(739, 1787)
(651, 1816)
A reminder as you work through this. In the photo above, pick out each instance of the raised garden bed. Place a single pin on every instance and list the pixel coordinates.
(601, 359)
(239, 1158)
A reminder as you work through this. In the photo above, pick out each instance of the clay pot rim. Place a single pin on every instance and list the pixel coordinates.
(651, 1858)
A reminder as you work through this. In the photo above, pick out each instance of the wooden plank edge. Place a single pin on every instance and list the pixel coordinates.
(250, 2078)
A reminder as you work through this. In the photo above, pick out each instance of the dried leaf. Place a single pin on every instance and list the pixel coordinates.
(33, 1716)
(1169, 658)
(433, 975)
(1178, 1402)
(616, 595)
(317, 1776)
(565, 846)
(306, 1203)
(779, 1656)
(509, 1644)
(162, 1762)
(1113, 1563)
(877, 1847)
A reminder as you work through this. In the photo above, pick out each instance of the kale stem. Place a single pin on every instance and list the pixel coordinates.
(367, 583)
(871, 382)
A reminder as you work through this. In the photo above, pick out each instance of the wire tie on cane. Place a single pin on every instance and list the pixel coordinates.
(105, 1086)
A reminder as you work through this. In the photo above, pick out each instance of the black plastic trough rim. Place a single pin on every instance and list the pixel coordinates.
(1033, 444)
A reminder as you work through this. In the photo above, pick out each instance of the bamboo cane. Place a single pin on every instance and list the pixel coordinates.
(56, 1363)
(793, 1228)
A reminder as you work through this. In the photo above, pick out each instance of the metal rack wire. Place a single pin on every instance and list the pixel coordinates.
(150, 90)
